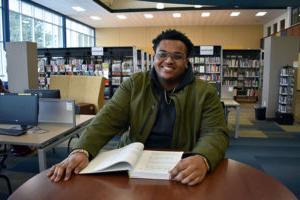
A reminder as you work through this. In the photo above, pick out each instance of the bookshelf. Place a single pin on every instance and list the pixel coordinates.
(207, 63)
(116, 64)
(124, 62)
(241, 70)
(284, 114)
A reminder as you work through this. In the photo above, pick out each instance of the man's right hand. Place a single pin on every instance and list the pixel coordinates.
(74, 163)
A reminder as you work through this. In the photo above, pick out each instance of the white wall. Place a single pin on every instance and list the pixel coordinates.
(286, 16)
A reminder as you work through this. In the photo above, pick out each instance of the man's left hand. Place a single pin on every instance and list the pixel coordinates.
(190, 170)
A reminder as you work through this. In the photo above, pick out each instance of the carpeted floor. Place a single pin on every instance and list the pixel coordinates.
(265, 145)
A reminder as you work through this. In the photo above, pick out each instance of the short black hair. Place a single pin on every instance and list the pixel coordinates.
(172, 34)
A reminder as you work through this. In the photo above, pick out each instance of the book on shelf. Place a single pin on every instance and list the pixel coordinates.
(116, 80)
(138, 162)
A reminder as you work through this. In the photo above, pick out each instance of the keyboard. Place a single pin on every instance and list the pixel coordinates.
(10, 131)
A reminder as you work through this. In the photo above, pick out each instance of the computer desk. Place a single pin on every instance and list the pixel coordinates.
(231, 180)
(230, 103)
(56, 134)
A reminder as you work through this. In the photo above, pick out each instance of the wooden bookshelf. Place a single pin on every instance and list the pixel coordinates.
(207, 63)
(241, 69)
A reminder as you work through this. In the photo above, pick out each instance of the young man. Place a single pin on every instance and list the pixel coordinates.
(164, 108)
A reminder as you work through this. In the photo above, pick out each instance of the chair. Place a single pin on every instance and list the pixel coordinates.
(3, 156)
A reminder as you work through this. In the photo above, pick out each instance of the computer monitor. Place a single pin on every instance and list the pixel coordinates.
(44, 93)
(19, 109)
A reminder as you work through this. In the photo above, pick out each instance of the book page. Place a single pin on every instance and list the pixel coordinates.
(115, 160)
(155, 164)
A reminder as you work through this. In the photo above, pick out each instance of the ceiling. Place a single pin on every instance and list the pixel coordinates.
(190, 15)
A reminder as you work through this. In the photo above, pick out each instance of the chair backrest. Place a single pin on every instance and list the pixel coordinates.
(227, 92)
(57, 111)
(82, 89)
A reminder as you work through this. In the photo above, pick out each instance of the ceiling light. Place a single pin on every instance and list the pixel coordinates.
(176, 15)
(234, 14)
(197, 6)
(121, 16)
(78, 9)
(148, 16)
(160, 6)
(95, 18)
(205, 14)
(259, 14)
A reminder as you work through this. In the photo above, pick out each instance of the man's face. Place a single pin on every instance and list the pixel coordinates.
(170, 60)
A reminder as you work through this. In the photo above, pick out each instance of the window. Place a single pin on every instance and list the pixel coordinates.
(282, 24)
(295, 15)
(269, 30)
(3, 74)
(79, 35)
(30, 23)
(275, 28)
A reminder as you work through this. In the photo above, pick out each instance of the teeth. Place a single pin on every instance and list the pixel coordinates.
(168, 68)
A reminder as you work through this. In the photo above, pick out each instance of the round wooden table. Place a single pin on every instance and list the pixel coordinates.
(231, 180)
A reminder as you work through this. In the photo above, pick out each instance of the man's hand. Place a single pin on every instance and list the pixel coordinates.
(63, 170)
(190, 170)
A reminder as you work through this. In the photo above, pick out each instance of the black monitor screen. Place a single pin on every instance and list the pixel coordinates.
(53, 94)
(19, 109)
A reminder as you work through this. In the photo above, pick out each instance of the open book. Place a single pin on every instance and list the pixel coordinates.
(138, 162)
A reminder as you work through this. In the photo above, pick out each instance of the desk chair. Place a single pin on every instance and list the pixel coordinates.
(3, 156)
(227, 92)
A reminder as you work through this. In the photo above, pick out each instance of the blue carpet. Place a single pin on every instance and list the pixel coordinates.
(29, 164)
(278, 157)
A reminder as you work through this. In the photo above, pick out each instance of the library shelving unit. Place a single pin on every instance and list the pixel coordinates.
(116, 64)
(124, 62)
(207, 63)
(241, 70)
(67, 61)
(284, 113)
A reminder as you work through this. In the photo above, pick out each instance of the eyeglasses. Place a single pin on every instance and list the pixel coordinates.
(162, 55)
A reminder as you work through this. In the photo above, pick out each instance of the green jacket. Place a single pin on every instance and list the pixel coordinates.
(200, 126)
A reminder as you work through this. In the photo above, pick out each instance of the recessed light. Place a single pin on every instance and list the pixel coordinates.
(95, 18)
(205, 14)
(78, 9)
(259, 14)
(176, 15)
(148, 16)
(234, 14)
(160, 6)
(198, 6)
(121, 16)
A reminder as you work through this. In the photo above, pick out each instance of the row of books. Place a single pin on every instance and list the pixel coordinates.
(285, 108)
(289, 81)
(210, 68)
(208, 77)
(286, 90)
(206, 60)
(117, 80)
(251, 92)
(285, 99)
(241, 63)
(288, 71)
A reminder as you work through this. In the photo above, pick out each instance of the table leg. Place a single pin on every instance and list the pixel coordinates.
(237, 122)
(42, 159)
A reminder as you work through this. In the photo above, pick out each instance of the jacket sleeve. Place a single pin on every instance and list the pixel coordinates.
(111, 120)
(213, 140)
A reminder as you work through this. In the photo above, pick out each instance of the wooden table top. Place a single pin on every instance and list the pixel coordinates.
(52, 130)
(231, 180)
